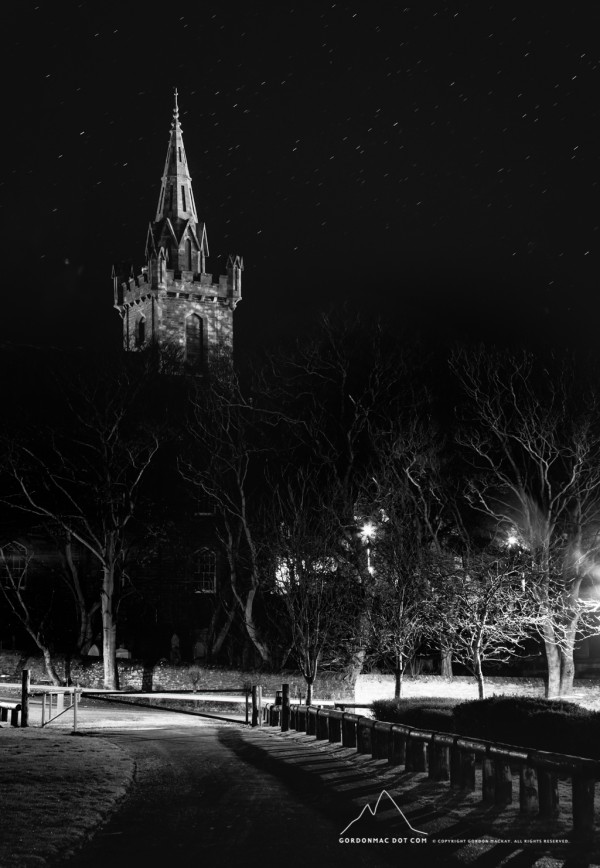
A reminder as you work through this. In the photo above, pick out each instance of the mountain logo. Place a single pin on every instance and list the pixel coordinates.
(368, 813)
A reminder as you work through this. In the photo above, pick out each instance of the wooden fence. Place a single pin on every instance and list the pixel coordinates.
(453, 758)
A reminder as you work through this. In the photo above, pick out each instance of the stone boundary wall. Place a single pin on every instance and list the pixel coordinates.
(135, 675)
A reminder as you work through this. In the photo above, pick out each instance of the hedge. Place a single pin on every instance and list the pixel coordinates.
(530, 722)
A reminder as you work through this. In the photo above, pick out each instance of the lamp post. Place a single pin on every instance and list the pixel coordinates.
(367, 531)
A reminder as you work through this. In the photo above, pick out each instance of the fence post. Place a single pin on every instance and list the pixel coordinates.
(583, 807)
(322, 725)
(348, 729)
(488, 778)
(548, 794)
(25, 683)
(285, 707)
(380, 736)
(439, 761)
(528, 790)
(398, 747)
(416, 755)
(455, 766)
(503, 775)
(74, 703)
(256, 704)
(335, 727)
(468, 761)
(364, 735)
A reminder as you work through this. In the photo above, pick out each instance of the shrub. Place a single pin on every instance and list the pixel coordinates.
(531, 722)
(427, 713)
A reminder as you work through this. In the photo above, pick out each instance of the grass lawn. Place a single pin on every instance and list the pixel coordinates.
(57, 788)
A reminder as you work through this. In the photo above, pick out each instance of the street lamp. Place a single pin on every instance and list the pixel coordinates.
(367, 532)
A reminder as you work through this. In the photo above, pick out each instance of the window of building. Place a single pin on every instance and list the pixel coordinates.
(205, 578)
(179, 149)
(188, 255)
(183, 197)
(205, 505)
(193, 340)
(140, 332)
(13, 566)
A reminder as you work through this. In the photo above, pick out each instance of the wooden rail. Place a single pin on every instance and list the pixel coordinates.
(14, 708)
(454, 758)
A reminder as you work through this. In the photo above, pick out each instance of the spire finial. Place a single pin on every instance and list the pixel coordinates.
(176, 110)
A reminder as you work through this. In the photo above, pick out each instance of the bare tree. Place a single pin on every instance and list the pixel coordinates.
(223, 462)
(484, 611)
(31, 606)
(82, 474)
(414, 491)
(315, 587)
(531, 431)
(337, 385)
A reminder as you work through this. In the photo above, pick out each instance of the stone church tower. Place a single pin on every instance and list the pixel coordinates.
(174, 301)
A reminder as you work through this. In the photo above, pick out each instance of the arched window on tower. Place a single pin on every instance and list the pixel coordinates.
(140, 332)
(188, 255)
(194, 340)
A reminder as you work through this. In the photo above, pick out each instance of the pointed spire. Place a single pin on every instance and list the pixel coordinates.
(176, 200)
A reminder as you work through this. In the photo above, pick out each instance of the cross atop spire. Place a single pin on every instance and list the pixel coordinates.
(176, 110)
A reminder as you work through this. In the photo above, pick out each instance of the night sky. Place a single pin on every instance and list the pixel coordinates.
(437, 163)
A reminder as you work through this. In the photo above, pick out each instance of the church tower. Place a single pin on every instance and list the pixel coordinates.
(174, 301)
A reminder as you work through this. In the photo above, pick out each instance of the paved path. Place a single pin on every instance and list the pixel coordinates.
(218, 795)
(206, 796)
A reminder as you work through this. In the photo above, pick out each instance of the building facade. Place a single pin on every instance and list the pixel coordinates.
(173, 301)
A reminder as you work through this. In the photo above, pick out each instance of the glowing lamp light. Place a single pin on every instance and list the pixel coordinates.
(367, 531)
(512, 540)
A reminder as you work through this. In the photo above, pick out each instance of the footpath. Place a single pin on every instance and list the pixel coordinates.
(186, 788)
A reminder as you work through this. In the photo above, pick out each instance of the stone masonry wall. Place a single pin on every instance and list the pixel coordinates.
(217, 321)
(135, 675)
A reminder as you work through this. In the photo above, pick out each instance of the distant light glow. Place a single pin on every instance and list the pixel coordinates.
(368, 531)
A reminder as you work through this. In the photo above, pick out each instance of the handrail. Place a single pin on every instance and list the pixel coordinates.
(452, 757)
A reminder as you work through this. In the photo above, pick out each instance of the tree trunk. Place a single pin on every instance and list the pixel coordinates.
(398, 674)
(50, 668)
(222, 634)
(84, 615)
(109, 629)
(567, 667)
(446, 662)
(252, 629)
(309, 691)
(553, 662)
(479, 675)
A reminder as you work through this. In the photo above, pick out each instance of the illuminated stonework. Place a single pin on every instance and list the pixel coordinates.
(173, 301)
